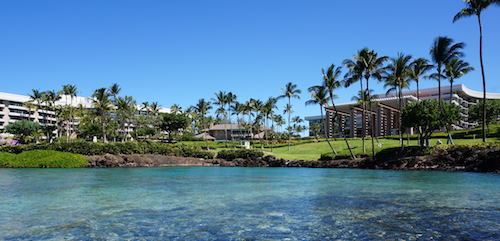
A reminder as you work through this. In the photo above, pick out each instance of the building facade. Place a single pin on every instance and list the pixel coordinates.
(14, 107)
(383, 117)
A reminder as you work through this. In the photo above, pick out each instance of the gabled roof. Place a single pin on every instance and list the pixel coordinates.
(205, 136)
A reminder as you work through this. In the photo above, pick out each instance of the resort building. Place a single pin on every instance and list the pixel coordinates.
(14, 107)
(385, 112)
(239, 132)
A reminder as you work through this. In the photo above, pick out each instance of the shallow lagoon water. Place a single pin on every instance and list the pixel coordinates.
(224, 203)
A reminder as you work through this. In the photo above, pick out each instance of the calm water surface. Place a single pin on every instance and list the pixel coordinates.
(223, 203)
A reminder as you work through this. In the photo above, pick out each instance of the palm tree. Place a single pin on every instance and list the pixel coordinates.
(288, 109)
(70, 90)
(101, 101)
(221, 100)
(279, 121)
(52, 97)
(367, 64)
(418, 68)
(37, 97)
(397, 77)
(331, 82)
(154, 107)
(455, 69)
(238, 109)
(268, 111)
(176, 108)
(203, 108)
(230, 98)
(320, 96)
(290, 91)
(475, 7)
(442, 52)
(355, 74)
(30, 107)
(257, 106)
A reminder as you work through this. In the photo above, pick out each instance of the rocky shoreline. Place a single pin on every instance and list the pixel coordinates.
(487, 160)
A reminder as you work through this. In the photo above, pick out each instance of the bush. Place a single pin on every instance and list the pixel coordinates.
(240, 153)
(132, 147)
(42, 158)
(327, 156)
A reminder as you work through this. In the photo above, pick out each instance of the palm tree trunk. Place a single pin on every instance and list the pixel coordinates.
(371, 117)
(401, 120)
(363, 127)
(482, 73)
(231, 132)
(206, 134)
(326, 134)
(289, 130)
(343, 135)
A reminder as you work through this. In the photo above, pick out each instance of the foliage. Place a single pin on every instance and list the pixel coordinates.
(42, 158)
(327, 156)
(23, 127)
(492, 111)
(240, 153)
(172, 122)
(130, 147)
(426, 115)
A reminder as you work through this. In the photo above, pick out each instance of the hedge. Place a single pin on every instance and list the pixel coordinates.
(240, 153)
(132, 147)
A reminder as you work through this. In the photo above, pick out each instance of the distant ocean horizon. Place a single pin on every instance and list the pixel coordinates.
(227, 203)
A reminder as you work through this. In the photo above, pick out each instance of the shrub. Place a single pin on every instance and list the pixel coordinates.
(327, 156)
(43, 158)
(133, 147)
(240, 153)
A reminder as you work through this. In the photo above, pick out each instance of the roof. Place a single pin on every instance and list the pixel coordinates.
(231, 127)
(205, 136)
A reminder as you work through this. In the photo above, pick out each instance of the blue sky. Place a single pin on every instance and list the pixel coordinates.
(181, 51)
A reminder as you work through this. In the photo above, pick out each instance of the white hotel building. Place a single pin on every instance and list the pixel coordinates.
(386, 113)
(12, 109)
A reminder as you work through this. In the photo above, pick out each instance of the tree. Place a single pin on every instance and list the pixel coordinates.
(427, 116)
(51, 97)
(455, 69)
(238, 109)
(366, 64)
(230, 98)
(331, 82)
(492, 112)
(315, 129)
(268, 111)
(30, 107)
(290, 91)
(71, 91)
(172, 122)
(221, 100)
(257, 106)
(37, 97)
(475, 7)
(442, 52)
(103, 104)
(418, 68)
(397, 77)
(320, 96)
(23, 128)
(176, 108)
(203, 107)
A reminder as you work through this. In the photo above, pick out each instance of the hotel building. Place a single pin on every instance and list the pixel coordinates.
(13, 108)
(385, 112)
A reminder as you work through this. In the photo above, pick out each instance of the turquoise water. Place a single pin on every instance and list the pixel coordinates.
(224, 203)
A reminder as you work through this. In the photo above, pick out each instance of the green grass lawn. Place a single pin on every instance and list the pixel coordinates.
(312, 151)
